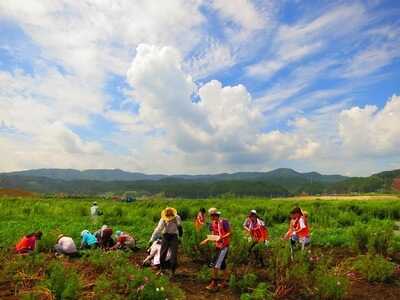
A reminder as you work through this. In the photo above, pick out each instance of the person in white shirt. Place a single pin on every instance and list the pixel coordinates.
(95, 212)
(154, 255)
(65, 246)
(170, 225)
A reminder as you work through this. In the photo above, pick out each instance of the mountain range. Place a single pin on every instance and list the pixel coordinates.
(120, 175)
(275, 183)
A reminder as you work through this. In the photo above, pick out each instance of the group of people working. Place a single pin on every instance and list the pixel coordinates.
(165, 239)
(65, 245)
(255, 227)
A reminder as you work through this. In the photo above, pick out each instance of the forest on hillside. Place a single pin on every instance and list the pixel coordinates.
(282, 184)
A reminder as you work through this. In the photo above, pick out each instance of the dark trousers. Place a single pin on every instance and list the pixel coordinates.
(169, 241)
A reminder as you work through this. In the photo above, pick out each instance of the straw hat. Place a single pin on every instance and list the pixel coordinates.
(213, 211)
(60, 236)
(168, 214)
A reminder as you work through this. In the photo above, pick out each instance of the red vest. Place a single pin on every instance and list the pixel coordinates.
(305, 232)
(218, 229)
(258, 231)
(200, 219)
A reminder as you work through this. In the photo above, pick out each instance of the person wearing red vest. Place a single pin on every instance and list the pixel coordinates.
(222, 231)
(292, 232)
(255, 226)
(302, 230)
(200, 218)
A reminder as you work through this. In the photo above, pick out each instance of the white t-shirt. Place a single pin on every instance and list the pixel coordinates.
(67, 244)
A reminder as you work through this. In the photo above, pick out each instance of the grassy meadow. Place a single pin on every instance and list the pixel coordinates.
(362, 230)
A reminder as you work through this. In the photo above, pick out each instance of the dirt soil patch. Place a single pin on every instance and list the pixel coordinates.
(16, 193)
(187, 280)
(194, 290)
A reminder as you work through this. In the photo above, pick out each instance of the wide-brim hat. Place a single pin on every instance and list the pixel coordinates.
(118, 233)
(213, 211)
(60, 236)
(168, 214)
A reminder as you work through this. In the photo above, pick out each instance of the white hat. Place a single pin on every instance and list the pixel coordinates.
(214, 211)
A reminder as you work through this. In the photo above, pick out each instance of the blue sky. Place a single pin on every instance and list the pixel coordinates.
(200, 86)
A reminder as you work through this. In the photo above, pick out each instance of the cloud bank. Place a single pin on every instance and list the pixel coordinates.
(199, 86)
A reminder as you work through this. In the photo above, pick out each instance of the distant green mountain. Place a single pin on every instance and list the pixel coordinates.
(380, 183)
(277, 183)
(100, 174)
(117, 174)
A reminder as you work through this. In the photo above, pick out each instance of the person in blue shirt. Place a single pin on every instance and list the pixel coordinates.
(88, 240)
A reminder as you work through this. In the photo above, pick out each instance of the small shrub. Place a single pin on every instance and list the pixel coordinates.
(204, 274)
(330, 286)
(259, 293)
(191, 244)
(375, 236)
(360, 235)
(375, 268)
(64, 281)
(381, 234)
(346, 218)
(246, 284)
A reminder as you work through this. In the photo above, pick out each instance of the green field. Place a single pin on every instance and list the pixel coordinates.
(364, 229)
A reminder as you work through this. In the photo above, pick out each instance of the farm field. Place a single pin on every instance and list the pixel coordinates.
(354, 252)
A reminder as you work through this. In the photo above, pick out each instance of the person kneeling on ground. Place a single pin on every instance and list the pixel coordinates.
(88, 240)
(104, 238)
(65, 247)
(28, 243)
(125, 241)
(301, 230)
(154, 255)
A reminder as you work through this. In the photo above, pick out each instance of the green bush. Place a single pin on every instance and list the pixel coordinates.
(191, 244)
(245, 284)
(381, 234)
(63, 282)
(259, 293)
(359, 237)
(374, 237)
(330, 286)
(375, 268)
